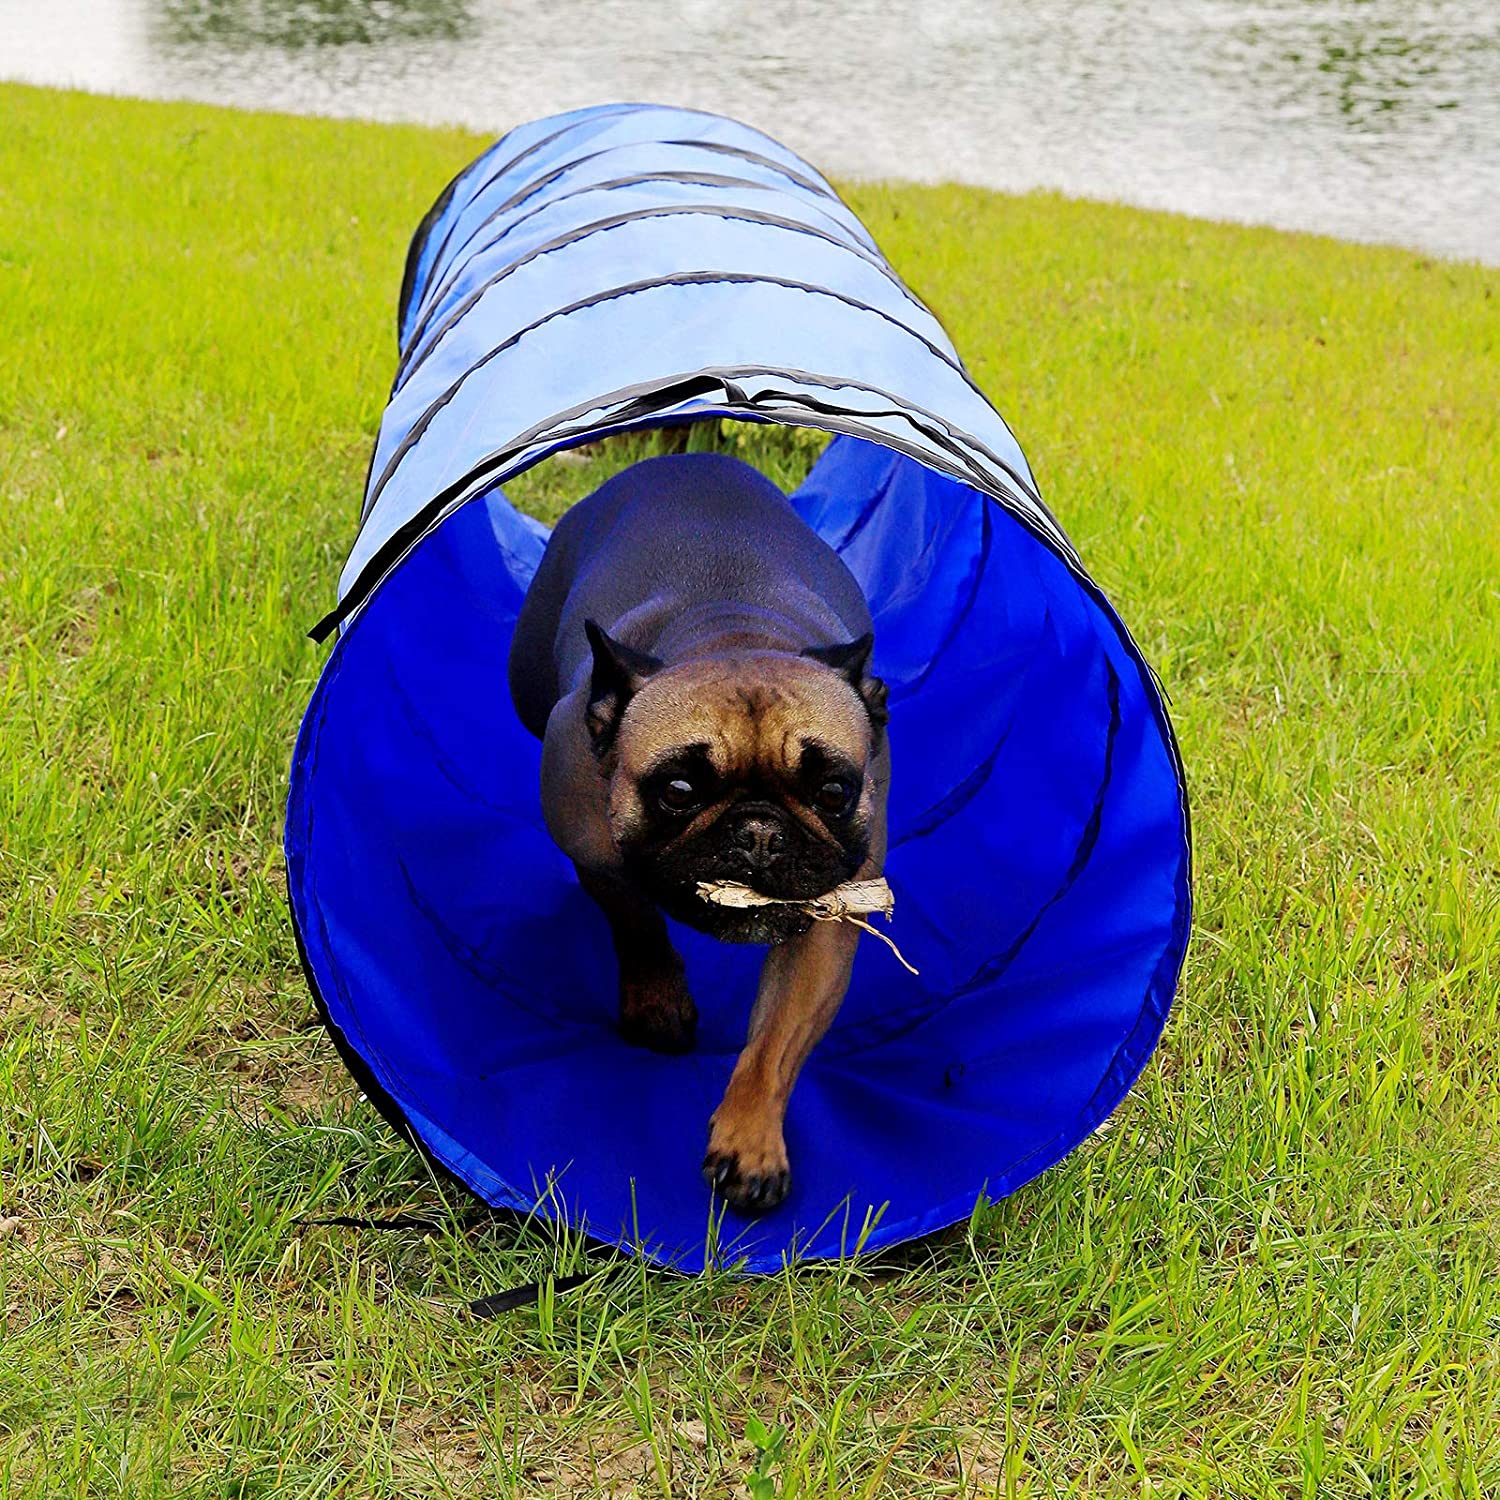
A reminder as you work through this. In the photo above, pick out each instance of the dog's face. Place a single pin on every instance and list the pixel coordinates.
(752, 767)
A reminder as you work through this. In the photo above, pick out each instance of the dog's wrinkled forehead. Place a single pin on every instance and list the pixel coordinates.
(751, 712)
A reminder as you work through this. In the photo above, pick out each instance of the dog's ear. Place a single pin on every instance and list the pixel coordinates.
(852, 662)
(619, 671)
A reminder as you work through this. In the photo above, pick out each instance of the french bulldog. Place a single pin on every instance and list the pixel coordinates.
(696, 662)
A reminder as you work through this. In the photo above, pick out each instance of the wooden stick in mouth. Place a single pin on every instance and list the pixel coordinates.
(850, 902)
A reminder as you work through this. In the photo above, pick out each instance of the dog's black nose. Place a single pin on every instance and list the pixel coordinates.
(762, 838)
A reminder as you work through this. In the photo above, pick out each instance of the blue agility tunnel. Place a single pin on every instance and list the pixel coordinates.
(619, 268)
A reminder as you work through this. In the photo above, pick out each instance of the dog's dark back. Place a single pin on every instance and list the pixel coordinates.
(665, 536)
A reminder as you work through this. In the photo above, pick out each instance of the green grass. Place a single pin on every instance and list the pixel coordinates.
(1276, 1274)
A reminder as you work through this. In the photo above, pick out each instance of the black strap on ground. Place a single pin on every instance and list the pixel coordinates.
(481, 1307)
(408, 1222)
(526, 1296)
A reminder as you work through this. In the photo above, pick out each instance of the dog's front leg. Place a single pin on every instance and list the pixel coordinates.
(656, 1007)
(801, 987)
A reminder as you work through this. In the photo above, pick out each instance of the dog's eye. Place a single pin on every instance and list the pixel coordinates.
(678, 795)
(833, 797)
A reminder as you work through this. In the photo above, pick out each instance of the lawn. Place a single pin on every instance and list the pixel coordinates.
(1276, 1274)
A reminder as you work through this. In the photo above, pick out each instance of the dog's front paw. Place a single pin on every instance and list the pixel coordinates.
(659, 1013)
(747, 1163)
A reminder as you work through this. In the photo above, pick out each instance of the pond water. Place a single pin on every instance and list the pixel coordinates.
(1371, 119)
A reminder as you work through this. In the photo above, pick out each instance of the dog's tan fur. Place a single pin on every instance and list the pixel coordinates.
(755, 710)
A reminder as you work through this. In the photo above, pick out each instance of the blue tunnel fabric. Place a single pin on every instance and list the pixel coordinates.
(616, 268)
